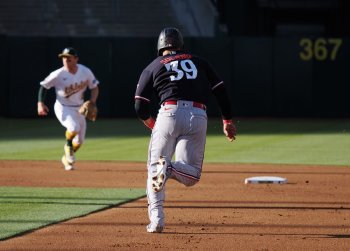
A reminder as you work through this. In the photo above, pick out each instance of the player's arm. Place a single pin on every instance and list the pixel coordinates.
(142, 100)
(223, 100)
(225, 106)
(142, 108)
(93, 86)
(94, 94)
(45, 85)
(42, 108)
(219, 90)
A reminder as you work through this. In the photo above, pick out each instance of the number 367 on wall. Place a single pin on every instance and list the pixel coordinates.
(320, 49)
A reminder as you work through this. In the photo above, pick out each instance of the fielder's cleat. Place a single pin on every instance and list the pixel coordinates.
(154, 228)
(69, 153)
(67, 166)
(158, 180)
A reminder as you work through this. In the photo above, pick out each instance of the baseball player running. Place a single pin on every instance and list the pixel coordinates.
(183, 83)
(70, 83)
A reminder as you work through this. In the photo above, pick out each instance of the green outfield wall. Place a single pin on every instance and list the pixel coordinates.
(266, 76)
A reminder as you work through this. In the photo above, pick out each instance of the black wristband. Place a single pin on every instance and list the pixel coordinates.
(42, 94)
(142, 109)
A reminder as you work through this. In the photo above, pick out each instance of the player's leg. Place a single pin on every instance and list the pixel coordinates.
(68, 147)
(76, 146)
(66, 116)
(78, 140)
(189, 154)
(155, 208)
(162, 148)
(162, 143)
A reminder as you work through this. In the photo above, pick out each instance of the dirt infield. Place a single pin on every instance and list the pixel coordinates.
(311, 212)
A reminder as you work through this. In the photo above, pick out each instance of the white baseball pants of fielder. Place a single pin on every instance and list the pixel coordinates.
(181, 130)
(72, 120)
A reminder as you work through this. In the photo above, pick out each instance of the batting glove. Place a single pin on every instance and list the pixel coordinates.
(229, 129)
(150, 122)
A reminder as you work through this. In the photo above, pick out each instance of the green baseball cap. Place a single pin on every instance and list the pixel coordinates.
(68, 52)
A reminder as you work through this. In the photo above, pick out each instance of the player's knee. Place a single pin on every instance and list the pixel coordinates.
(71, 134)
(191, 183)
(74, 129)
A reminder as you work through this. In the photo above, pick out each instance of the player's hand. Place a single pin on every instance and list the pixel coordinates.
(229, 129)
(150, 122)
(43, 110)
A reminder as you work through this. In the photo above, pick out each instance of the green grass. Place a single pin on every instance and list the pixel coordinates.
(292, 141)
(26, 208)
(280, 141)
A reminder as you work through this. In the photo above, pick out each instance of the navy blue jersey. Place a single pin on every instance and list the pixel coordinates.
(180, 76)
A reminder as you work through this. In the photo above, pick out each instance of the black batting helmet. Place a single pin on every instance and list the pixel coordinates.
(169, 38)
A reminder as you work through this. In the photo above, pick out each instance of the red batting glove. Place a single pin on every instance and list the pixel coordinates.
(229, 129)
(150, 122)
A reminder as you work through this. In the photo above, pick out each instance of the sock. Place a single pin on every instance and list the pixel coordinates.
(70, 136)
(76, 146)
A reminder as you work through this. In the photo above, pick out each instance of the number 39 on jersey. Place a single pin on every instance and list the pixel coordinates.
(184, 68)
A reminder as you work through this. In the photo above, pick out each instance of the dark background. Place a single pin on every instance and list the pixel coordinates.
(256, 51)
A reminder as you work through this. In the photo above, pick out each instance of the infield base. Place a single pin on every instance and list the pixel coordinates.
(265, 180)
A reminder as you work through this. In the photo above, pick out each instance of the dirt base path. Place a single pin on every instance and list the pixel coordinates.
(311, 212)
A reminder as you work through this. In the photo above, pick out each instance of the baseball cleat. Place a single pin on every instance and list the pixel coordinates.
(69, 153)
(154, 229)
(67, 166)
(158, 180)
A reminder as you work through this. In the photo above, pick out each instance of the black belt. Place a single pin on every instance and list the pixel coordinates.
(71, 105)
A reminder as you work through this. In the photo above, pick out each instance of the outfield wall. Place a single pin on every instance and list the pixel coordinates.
(266, 76)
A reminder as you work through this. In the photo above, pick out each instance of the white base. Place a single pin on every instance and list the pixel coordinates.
(265, 180)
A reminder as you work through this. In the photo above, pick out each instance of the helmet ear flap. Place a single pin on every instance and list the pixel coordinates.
(169, 38)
